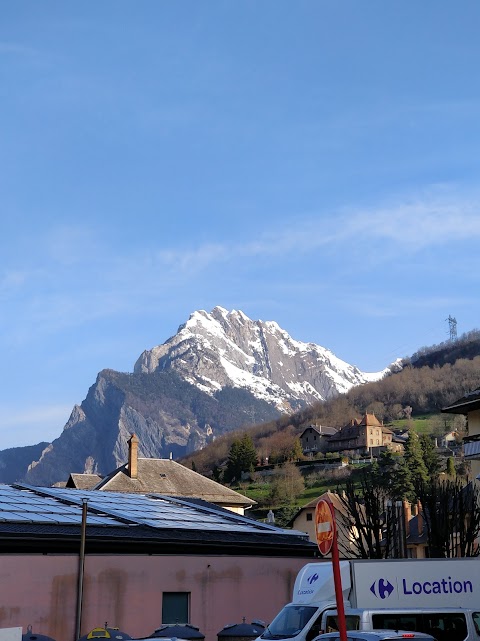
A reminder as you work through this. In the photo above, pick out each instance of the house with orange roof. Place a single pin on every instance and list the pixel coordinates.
(367, 435)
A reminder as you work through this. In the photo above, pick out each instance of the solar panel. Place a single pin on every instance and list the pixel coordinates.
(23, 503)
(13, 516)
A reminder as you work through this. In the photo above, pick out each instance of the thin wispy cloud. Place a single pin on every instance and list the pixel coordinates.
(198, 258)
(418, 225)
(413, 225)
(82, 279)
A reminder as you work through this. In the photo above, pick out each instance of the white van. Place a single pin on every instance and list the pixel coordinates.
(384, 593)
(445, 624)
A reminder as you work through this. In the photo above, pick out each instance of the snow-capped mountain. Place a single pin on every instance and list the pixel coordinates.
(227, 349)
(220, 372)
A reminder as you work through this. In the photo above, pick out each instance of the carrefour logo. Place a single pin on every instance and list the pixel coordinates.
(381, 588)
(310, 580)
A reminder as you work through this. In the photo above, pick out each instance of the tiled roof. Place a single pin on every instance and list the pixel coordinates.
(165, 476)
(370, 420)
(331, 496)
(83, 481)
(323, 430)
(347, 433)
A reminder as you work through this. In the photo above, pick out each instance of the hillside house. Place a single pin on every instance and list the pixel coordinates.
(366, 435)
(450, 439)
(469, 406)
(161, 476)
(315, 439)
(304, 520)
(413, 536)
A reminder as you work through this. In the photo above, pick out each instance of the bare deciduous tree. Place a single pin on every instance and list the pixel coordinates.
(287, 484)
(365, 526)
(451, 510)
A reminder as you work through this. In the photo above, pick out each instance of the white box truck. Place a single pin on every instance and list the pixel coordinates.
(438, 596)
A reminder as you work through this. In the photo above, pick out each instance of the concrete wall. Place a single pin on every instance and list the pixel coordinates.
(126, 591)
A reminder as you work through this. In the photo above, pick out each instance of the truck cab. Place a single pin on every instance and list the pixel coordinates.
(313, 594)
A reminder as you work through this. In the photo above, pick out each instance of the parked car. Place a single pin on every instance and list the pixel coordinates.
(376, 635)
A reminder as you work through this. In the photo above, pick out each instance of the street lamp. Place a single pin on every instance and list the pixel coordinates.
(81, 569)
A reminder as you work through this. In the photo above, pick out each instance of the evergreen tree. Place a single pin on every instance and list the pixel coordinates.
(241, 458)
(414, 460)
(248, 453)
(402, 483)
(393, 475)
(216, 473)
(451, 471)
(430, 455)
(383, 468)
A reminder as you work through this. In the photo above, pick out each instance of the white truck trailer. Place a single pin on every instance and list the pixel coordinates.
(438, 596)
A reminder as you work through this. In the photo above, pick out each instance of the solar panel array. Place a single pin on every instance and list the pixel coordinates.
(22, 503)
(26, 506)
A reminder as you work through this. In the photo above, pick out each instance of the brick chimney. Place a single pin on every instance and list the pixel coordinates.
(133, 456)
(407, 513)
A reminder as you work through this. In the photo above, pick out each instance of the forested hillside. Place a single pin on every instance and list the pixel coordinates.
(416, 389)
(467, 346)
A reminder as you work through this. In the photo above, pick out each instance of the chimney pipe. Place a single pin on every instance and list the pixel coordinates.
(133, 456)
(420, 518)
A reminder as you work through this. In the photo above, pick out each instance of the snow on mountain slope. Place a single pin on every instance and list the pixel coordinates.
(219, 349)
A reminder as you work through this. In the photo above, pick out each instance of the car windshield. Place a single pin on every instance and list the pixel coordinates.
(289, 622)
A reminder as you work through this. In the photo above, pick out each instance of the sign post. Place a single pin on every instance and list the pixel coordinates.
(326, 533)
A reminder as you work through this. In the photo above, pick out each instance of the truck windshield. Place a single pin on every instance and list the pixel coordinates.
(289, 622)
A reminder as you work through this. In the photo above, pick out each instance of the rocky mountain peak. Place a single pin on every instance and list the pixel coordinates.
(220, 372)
(228, 349)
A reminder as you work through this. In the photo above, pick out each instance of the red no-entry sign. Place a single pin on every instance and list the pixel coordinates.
(324, 526)
(326, 531)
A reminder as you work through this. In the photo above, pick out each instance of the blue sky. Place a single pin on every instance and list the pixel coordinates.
(314, 163)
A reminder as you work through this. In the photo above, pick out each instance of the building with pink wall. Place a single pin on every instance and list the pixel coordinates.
(147, 559)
